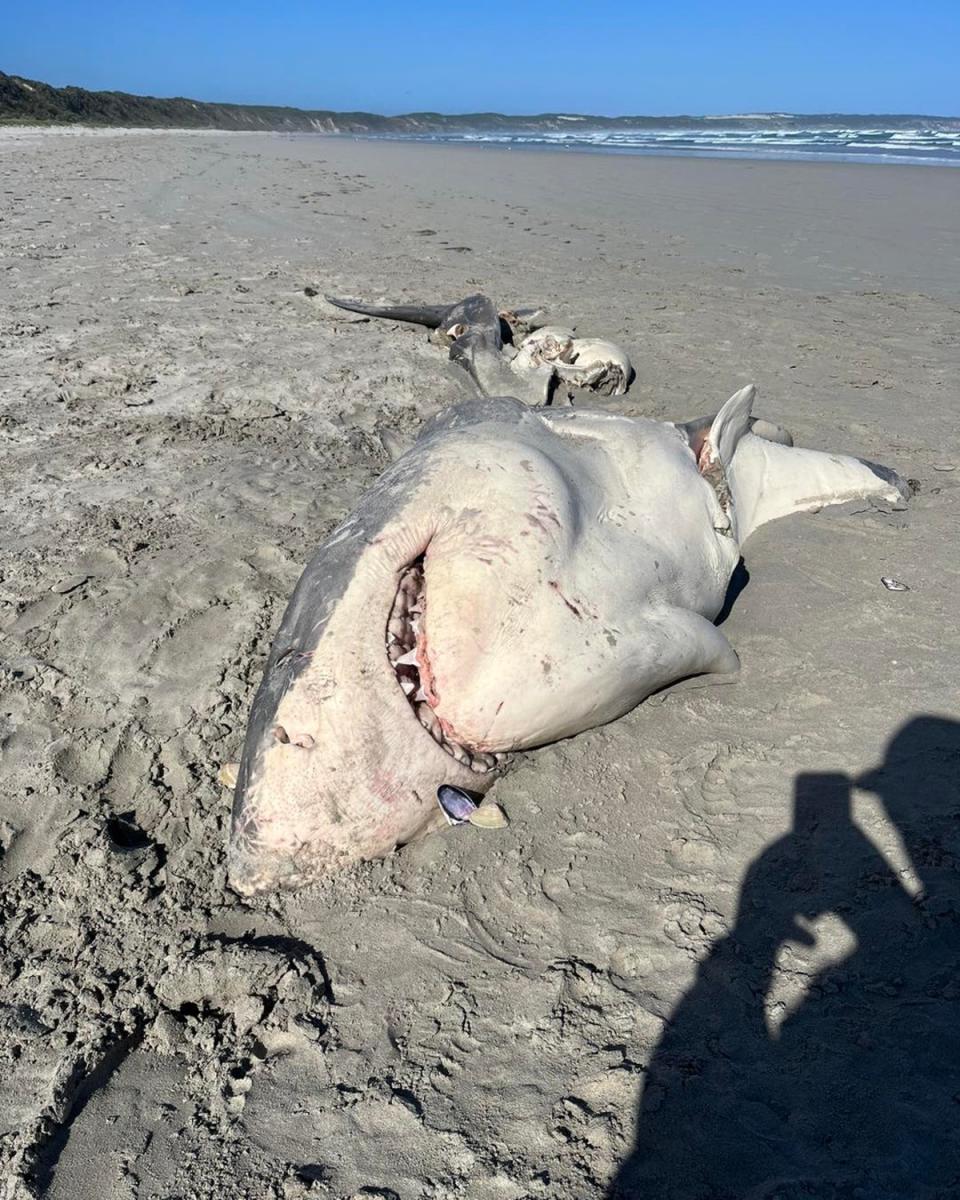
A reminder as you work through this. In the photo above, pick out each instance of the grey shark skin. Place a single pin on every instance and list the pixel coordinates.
(542, 572)
(475, 330)
(442, 316)
(429, 315)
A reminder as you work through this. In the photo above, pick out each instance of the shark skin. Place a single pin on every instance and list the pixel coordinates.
(518, 576)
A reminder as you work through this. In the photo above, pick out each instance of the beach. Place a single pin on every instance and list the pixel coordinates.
(183, 419)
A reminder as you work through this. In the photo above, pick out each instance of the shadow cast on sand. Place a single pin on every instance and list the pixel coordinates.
(856, 1094)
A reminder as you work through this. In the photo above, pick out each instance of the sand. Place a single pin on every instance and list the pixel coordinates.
(658, 933)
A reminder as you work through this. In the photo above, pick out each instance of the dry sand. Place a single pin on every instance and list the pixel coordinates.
(480, 1014)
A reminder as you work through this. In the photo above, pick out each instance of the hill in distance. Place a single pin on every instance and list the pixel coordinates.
(28, 101)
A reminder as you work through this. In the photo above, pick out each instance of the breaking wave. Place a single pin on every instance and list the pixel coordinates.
(923, 146)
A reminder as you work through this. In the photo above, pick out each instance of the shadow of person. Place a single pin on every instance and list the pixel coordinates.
(856, 1092)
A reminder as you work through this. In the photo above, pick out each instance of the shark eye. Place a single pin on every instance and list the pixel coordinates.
(281, 734)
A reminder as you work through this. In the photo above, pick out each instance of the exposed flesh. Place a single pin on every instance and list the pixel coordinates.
(406, 650)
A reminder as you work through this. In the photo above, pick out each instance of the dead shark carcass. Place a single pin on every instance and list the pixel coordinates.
(518, 576)
(512, 351)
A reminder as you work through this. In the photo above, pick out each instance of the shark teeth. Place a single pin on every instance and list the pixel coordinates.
(402, 639)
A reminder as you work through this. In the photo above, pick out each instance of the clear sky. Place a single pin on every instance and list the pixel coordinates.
(609, 57)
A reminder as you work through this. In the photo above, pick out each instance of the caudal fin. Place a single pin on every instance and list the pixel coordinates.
(430, 315)
(769, 480)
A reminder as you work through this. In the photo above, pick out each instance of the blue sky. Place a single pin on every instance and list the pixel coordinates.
(408, 55)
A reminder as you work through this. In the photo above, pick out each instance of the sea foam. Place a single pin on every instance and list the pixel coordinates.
(910, 146)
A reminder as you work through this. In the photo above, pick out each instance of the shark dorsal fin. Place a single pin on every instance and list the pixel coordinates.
(717, 448)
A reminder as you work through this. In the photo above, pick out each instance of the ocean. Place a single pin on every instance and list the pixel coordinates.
(927, 147)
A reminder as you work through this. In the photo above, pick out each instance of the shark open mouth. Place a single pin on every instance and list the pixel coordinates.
(407, 652)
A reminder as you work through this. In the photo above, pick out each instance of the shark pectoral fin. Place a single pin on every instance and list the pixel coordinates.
(771, 432)
(690, 650)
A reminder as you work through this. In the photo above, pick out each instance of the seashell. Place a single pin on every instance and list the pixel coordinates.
(489, 816)
(227, 775)
(893, 585)
(458, 806)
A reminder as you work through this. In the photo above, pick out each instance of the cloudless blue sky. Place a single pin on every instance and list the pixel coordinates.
(611, 57)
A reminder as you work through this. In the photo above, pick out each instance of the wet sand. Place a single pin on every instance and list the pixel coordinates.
(479, 1015)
